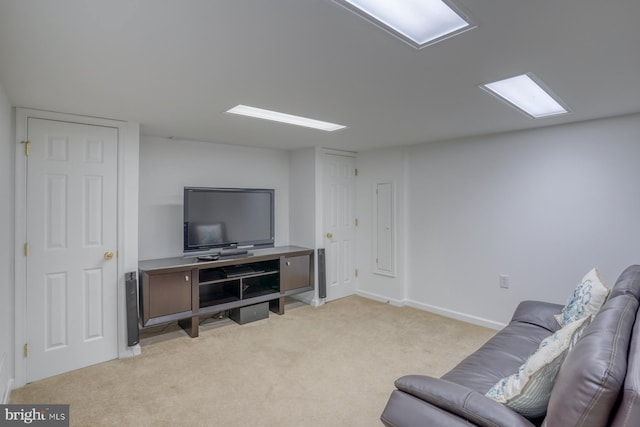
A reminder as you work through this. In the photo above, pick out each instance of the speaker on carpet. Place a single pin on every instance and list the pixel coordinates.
(131, 289)
(322, 274)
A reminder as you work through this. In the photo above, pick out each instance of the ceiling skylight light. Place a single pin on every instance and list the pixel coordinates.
(418, 22)
(525, 93)
(260, 113)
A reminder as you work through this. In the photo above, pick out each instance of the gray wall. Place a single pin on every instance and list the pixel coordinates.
(167, 166)
(302, 209)
(7, 154)
(541, 206)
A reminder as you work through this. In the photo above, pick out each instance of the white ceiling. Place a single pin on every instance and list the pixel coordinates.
(175, 66)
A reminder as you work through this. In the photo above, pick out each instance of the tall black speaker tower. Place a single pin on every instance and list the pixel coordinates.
(322, 275)
(131, 289)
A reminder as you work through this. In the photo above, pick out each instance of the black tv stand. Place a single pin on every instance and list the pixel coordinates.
(183, 289)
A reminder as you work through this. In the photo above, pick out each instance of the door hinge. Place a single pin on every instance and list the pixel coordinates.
(27, 144)
(356, 272)
(25, 350)
(26, 249)
(356, 171)
(356, 222)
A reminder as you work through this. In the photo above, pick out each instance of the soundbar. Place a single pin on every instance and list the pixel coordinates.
(232, 252)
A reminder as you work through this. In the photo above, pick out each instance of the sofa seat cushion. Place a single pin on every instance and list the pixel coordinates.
(499, 357)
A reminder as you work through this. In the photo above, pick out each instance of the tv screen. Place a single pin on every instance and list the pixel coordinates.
(227, 218)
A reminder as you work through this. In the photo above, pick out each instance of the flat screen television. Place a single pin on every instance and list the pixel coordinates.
(216, 219)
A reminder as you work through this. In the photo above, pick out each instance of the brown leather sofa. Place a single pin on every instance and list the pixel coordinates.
(598, 384)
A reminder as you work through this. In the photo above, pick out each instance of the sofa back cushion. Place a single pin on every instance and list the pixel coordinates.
(628, 414)
(586, 299)
(527, 391)
(627, 283)
(591, 377)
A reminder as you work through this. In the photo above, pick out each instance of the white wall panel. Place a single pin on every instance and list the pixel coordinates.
(332, 273)
(384, 239)
(57, 149)
(55, 303)
(56, 216)
(381, 166)
(94, 151)
(93, 303)
(333, 213)
(347, 265)
(347, 215)
(92, 211)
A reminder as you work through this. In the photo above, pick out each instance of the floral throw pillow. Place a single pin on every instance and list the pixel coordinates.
(586, 299)
(528, 390)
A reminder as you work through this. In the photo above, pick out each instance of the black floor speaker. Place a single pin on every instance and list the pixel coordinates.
(131, 289)
(322, 275)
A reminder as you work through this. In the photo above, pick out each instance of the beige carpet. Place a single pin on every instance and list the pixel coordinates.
(328, 366)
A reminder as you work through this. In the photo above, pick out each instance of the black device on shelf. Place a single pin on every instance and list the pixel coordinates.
(227, 221)
(238, 270)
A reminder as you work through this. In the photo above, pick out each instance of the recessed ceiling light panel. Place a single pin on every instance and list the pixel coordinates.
(260, 113)
(418, 22)
(528, 94)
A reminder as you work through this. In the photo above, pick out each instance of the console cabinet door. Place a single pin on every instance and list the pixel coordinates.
(169, 293)
(295, 273)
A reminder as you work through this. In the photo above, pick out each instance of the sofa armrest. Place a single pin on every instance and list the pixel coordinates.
(461, 401)
(538, 313)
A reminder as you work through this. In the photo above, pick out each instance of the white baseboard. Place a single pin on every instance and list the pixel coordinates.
(308, 298)
(316, 302)
(456, 315)
(132, 351)
(380, 298)
(433, 309)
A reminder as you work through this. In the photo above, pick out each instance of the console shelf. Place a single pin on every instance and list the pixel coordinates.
(183, 289)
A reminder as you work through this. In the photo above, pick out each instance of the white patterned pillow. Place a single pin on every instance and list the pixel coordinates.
(528, 390)
(586, 299)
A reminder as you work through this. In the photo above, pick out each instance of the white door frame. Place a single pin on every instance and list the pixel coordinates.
(127, 218)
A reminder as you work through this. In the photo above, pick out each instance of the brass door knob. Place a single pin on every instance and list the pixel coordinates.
(329, 235)
(108, 255)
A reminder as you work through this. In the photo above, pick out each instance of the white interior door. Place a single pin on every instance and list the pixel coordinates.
(71, 277)
(339, 225)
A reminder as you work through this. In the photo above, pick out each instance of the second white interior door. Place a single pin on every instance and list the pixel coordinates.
(339, 225)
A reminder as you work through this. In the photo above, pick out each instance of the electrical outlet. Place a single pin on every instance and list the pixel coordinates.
(504, 281)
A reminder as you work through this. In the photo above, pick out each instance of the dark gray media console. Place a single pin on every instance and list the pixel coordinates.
(184, 289)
